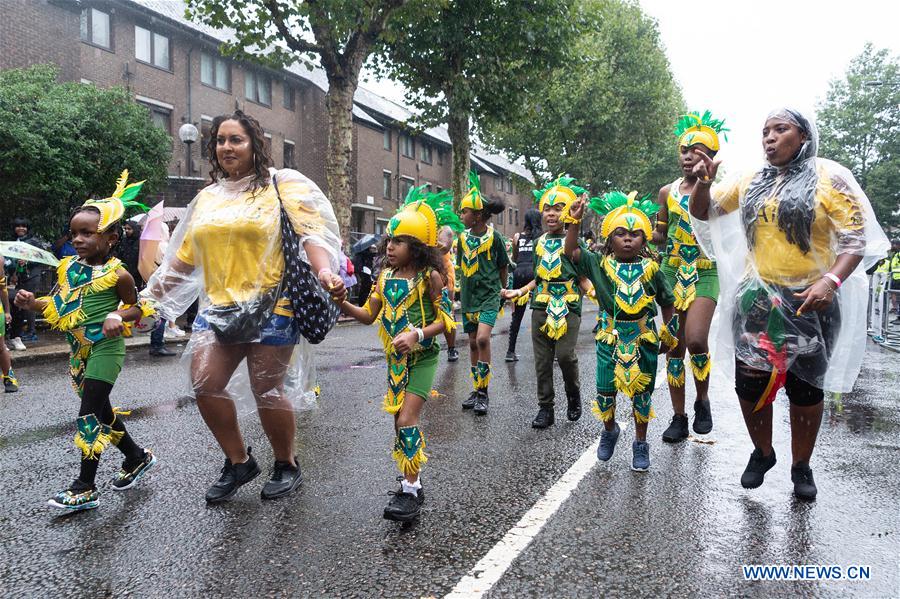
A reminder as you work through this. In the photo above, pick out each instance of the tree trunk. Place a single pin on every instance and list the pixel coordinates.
(339, 106)
(458, 129)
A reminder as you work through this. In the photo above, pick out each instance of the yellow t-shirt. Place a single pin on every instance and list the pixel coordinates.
(837, 214)
(235, 235)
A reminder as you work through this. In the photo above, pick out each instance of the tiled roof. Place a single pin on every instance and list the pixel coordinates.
(365, 101)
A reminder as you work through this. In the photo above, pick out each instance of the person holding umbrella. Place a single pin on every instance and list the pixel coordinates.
(364, 252)
(23, 274)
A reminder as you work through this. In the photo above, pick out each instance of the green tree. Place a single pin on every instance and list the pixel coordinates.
(476, 62)
(61, 143)
(339, 34)
(605, 117)
(859, 127)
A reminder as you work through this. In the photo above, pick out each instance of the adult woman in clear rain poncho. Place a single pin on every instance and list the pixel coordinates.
(228, 250)
(792, 242)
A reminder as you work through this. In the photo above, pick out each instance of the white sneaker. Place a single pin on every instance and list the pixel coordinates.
(174, 333)
(16, 344)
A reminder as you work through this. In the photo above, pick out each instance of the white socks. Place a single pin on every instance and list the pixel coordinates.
(411, 488)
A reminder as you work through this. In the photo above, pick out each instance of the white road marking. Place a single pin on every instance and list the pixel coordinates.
(485, 574)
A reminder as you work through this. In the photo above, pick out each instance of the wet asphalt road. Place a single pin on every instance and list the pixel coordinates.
(684, 528)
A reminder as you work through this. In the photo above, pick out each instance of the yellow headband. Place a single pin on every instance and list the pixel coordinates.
(416, 220)
(700, 134)
(629, 217)
(112, 209)
(556, 195)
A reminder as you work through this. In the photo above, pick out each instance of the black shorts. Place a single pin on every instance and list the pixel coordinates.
(750, 384)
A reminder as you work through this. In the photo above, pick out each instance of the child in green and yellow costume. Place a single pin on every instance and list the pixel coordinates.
(484, 269)
(691, 273)
(94, 302)
(555, 302)
(628, 285)
(410, 308)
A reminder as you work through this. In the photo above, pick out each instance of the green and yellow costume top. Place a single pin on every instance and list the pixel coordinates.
(480, 258)
(684, 256)
(556, 284)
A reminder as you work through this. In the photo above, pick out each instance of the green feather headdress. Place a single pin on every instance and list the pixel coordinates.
(473, 198)
(694, 128)
(422, 214)
(621, 210)
(113, 208)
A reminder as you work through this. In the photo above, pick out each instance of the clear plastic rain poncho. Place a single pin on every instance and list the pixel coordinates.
(774, 233)
(227, 251)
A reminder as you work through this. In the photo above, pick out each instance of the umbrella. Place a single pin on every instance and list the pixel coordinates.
(18, 250)
(365, 242)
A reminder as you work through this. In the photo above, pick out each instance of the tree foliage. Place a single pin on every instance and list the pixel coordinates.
(61, 143)
(477, 61)
(859, 126)
(338, 34)
(605, 117)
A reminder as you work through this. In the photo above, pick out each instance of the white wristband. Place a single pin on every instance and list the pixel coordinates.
(834, 279)
(114, 316)
(421, 334)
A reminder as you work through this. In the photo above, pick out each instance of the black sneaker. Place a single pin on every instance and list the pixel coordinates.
(162, 352)
(573, 410)
(678, 429)
(233, 476)
(469, 403)
(512, 356)
(702, 417)
(452, 354)
(10, 382)
(404, 507)
(544, 418)
(481, 403)
(79, 496)
(284, 481)
(804, 485)
(132, 472)
(756, 468)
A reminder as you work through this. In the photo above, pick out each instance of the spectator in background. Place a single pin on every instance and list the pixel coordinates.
(364, 266)
(128, 251)
(63, 247)
(27, 276)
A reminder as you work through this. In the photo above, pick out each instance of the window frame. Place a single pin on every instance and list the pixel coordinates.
(404, 179)
(154, 109)
(425, 148)
(387, 184)
(216, 61)
(152, 62)
(406, 138)
(86, 28)
(287, 143)
(387, 140)
(255, 76)
(287, 87)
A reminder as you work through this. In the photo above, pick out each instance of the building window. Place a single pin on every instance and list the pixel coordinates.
(439, 189)
(387, 139)
(511, 216)
(151, 48)
(258, 88)
(288, 100)
(405, 185)
(517, 217)
(161, 117)
(500, 218)
(509, 186)
(440, 154)
(95, 28)
(215, 72)
(498, 184)
(386, 185)
(289, 154)
(205, 128)
(426, 153)
(380, 225)
(357, 220)
(407, 146)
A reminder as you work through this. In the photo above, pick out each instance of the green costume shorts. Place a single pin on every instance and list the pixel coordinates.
(471, 320)
(707, 285)
(606, 363)
(422, 368)
(106, 360)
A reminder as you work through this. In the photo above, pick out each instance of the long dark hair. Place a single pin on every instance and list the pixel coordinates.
(533, 224)
(262, 157)
(421, 256)
(491, 207)
(796, 189)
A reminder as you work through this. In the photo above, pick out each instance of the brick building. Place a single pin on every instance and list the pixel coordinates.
(173, 68)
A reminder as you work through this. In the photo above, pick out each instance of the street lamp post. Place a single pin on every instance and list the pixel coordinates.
(188, 134)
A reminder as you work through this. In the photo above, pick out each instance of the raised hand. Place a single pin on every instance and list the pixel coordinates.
(705, 168)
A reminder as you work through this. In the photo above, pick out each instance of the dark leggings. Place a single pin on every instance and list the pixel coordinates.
(521, 277)
(95, 400)
(750, 384)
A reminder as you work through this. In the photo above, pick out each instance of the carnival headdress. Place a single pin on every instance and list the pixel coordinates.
(423, 214)
(112, 209)
(620, 210)
(562, 191)
(473, 198)
(693, 128)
